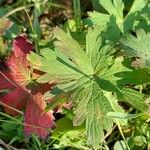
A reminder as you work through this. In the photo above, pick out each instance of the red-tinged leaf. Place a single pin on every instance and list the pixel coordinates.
(5, 81)
(15, 79)
(21, 46)
(17, 62)
(20, 73)
(36, 120)
(16, 99)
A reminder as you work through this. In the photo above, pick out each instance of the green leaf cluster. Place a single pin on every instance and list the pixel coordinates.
(100, 74)
(93, 78)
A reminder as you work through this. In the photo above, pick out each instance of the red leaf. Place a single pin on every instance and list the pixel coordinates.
(17, 61)
(35, 116)
(16, 99)
(21, 46)
(19, 71)
(16, 79)
(5, 81)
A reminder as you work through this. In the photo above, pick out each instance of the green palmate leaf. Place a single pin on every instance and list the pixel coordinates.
(95, 52)
(135, 14)
(114, 102)
(136, 77)
(47, 63)
(88, 78)
(120, 73)
(93, 44)
(93, 108)
(107, 5)
(100, 54)
(138, 46)
(114, 7)
(98, 19)
(117, 66)
(115, 21)
(137, 5)
(96, 120)
(71, 48)
(134, 98)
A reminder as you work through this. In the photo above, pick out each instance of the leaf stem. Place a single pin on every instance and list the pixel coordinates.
(31, 5)
(7, 78)
(77, 13)
(121, 132)
(12, 108)
(33, 31)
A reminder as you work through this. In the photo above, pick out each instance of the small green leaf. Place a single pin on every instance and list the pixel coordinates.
(61, 123)
(139, 140)
(120, 145)
(138, 46)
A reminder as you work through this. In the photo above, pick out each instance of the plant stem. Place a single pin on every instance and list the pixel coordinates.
(121, 132)
(33, 31)
(31, 5)
(77, 13)
(12, 108)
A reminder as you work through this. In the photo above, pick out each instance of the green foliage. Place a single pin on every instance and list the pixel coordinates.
(86, 75)
(120, 145)
(69, 136)
(138, 46)
(116, 22)
(100, 65)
